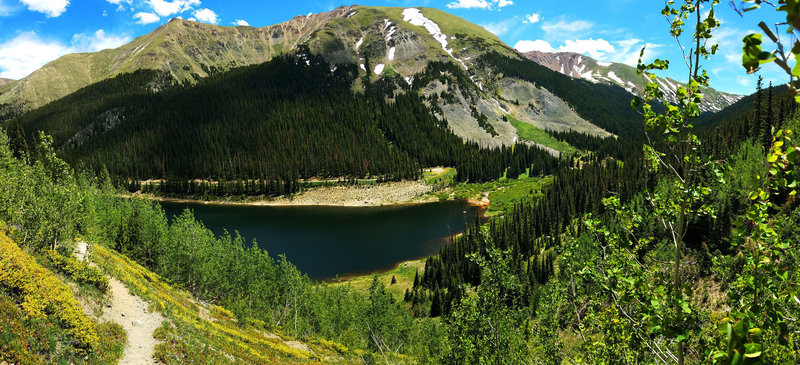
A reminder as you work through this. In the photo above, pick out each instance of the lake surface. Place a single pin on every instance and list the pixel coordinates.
(325, 242)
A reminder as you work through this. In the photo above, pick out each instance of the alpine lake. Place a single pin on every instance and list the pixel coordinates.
(330, 242)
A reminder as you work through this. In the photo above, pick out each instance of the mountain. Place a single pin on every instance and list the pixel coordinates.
(181, 50)
(359, 91)
(4, 82)
(186, 51)
(381, 41)
(583, 67)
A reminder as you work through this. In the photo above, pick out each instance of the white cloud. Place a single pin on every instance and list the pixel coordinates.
(167, 8)
(206, 15)
(118, 2)
(746, 81)
(479, 4)
(241, 22)
(97, 41)
(469, 4)
(5, 9)
(27, 53)
(628, 50)
(595, 48)
(531, 18)
(537, 45)
(501, 27)
(146, 18)
(51, 8)
(564, 27)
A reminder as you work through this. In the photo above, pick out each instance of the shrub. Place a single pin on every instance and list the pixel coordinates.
(42, 293)
(78, 270)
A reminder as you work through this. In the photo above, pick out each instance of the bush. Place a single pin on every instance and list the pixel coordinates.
(42, 293)
(78, 270)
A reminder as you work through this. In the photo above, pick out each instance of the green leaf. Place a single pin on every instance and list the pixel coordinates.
(752, 53)
(685, 307)
(794, 153)
(655, 303)
(752, 350)
(772, 158)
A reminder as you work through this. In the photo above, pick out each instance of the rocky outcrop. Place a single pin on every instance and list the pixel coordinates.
(583, 67)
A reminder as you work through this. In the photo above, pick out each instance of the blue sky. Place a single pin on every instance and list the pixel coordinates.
(34, 32)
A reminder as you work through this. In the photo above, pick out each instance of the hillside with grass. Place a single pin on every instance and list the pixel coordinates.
(645, 240)
(89, 277)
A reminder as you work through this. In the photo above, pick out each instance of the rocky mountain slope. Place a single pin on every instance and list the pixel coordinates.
(583, 67)
(383, 42)
(4, 82)
(181, 49)
(386, 44)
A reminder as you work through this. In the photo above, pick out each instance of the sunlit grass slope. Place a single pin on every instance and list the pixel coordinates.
(41, 321)
(202, 333)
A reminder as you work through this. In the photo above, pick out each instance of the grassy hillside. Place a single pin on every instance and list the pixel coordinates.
(180, 50)
(531, 133)
(197, 332)
(41, 321)
(184, 51)
(40, 316)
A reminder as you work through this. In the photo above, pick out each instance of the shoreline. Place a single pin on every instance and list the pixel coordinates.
(287, 203)
(384, 194)
(388, 193)
(483, 204)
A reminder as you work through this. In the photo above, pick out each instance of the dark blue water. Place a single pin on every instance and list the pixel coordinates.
(325, 242)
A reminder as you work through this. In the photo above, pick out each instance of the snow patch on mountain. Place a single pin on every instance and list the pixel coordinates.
(415, 17)
(616, 78)
(360, 41)
(501, 106)
(390, 28)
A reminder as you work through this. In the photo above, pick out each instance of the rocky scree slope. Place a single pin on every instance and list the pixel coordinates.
(583, 67)
(384, 42)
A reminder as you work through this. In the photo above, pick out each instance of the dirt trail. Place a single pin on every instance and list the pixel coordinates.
(131, 312)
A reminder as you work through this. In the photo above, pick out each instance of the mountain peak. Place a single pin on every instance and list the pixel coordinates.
(382, 38)
(583, 67)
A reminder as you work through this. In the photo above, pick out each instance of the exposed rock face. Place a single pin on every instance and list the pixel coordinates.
(184, 50)
(579, 66)
(383, 42)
